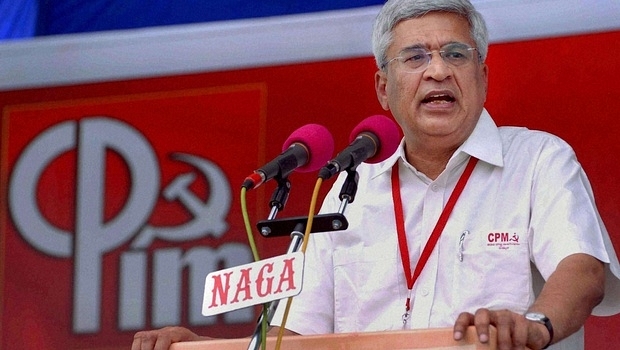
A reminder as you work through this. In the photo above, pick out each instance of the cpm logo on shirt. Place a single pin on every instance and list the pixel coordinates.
(502, 240)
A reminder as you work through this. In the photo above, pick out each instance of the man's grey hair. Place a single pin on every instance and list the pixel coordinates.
(395, 11)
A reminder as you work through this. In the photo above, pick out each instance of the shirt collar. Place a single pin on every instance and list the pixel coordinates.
(484, 143)
(389, 162)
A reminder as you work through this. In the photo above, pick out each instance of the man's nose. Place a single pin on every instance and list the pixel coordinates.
(437, 68)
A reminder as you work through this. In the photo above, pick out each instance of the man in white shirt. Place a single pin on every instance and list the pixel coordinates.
(526, 200)
(523, 210)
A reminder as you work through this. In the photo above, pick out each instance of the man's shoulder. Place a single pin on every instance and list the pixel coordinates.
(524, 137)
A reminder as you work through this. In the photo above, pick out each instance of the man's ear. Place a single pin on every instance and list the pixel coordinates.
(381, 89)
(485, 74)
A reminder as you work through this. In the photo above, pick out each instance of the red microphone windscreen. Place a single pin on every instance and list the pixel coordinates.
(319, 142)
(386, 130)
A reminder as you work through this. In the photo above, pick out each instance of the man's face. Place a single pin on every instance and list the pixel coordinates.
(441, 104)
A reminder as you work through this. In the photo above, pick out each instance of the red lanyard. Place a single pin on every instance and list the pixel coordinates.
(432, 241)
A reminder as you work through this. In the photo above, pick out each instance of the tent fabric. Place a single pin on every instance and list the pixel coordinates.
(76, 16)
(18, 18)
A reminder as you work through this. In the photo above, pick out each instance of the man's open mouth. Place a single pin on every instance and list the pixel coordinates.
(439, 98)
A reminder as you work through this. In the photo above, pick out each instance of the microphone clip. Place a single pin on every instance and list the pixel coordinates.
(281, 193)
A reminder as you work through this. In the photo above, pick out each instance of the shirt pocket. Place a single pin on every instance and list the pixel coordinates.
(493, 271)
(366, 282)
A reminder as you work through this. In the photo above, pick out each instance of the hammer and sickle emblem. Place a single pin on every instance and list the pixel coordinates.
(209, 218)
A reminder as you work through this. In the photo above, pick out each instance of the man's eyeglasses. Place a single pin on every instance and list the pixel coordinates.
(416, 59)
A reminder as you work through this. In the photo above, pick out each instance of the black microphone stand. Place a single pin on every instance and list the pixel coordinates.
(273, 227)
(277, 203)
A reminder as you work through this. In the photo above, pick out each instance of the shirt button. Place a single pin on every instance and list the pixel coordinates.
(424, 291)
(435, 187)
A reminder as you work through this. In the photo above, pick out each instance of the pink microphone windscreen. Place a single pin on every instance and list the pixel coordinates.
(319, 142)
(386, 130)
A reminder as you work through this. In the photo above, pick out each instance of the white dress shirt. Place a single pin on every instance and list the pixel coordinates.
(527, 205)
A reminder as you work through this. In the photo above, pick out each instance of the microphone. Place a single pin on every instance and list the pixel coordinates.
(306, 149)
(372, 141)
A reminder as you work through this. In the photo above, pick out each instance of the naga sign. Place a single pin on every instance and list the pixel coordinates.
(252, 284)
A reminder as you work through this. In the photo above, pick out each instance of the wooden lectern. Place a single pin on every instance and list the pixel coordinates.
(437, 339)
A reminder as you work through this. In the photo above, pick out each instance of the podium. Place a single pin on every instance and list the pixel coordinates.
(435, 338)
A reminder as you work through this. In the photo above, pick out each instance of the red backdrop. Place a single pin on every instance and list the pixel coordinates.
(239, 119)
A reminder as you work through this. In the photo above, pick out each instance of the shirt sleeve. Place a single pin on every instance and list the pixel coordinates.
(565, 219)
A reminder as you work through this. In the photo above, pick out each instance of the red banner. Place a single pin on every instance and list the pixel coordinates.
(116, 195)
(114, 203)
